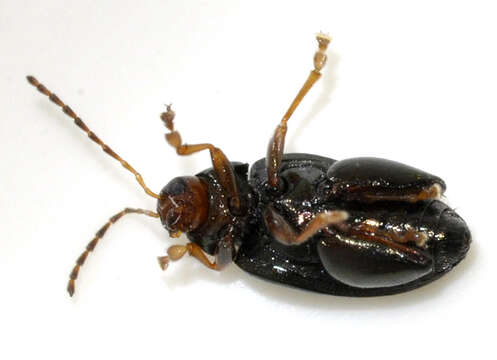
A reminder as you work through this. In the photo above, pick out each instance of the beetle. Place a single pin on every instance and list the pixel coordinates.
(354, 227)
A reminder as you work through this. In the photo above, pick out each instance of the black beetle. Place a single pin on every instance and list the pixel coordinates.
(355, 227)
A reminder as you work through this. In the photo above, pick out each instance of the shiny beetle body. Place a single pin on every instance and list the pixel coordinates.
(330, 264)
(355, 227)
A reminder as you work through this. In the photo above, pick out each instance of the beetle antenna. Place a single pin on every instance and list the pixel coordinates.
(77, 120)
(100, 234)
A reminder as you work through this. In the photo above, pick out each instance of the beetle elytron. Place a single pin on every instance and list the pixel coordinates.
(355, 227)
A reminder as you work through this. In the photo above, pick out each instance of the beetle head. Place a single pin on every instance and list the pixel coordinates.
(183, 205)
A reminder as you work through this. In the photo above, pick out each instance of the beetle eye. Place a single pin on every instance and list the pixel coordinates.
(176, 187)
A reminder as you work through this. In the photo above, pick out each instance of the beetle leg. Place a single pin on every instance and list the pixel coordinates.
(176, 252)
(225, 252)
(197, 252)
(222, 166)
(365, 260)
(277, 142)
(223, 257)
(372, 179)
(91, 245)
(77, 120)
(284, 233)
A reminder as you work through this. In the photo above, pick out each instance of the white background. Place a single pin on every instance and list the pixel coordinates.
(413, 81)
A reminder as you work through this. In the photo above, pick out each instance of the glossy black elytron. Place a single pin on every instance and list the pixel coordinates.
(390, 243)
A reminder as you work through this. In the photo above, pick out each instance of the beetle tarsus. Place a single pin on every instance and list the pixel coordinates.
(176, 252)
(163, 262)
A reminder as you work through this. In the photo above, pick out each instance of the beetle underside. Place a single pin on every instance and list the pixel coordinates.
(341, 262)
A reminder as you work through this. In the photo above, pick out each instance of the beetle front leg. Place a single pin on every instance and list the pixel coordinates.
(223, 168)
(223, 257)
(197, 252)
(285, 234)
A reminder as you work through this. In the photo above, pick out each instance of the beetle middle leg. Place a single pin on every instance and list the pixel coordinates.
(285, 234)
(223, 168)
(100, 233)
(277, 142)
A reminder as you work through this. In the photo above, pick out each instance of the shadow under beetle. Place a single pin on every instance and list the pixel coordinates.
(355, 227)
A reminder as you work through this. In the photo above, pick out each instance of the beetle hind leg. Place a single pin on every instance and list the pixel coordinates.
(371, 180)
(368, 261)
(283, 232)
